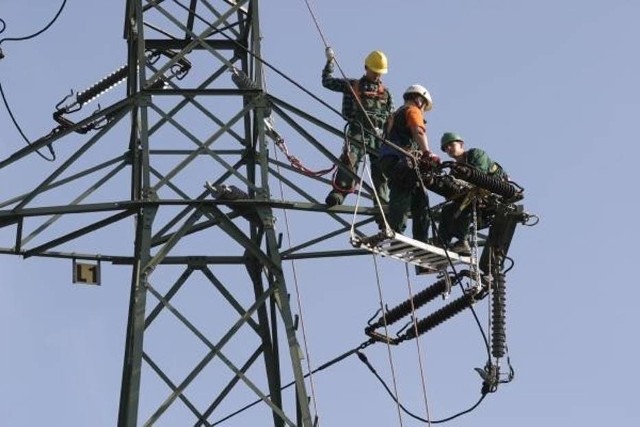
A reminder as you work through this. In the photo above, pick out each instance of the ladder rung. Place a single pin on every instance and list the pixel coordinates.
(413, 252)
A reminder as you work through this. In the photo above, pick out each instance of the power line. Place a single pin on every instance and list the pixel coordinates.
(15, 123)
(364, 360)
(37, 33)
(4, 98)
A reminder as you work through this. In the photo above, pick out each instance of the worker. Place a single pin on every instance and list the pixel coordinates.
(406, 130)
(366, 104)
(456, 219)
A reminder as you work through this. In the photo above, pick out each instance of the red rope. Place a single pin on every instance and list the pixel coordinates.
(297, 164)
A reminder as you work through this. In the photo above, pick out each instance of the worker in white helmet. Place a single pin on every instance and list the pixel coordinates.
(406, 129)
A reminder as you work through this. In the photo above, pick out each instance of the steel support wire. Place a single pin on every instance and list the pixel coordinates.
(319, 368)
(37, 33)
(364, 360)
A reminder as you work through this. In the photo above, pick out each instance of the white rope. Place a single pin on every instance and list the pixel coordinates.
(420, 357)
(366, 169)
(378, 202)
(307, 352)
(359, 194)
(352, 231)
(386, 333)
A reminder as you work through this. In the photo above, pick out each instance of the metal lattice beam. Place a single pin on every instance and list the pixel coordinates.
(206, 272)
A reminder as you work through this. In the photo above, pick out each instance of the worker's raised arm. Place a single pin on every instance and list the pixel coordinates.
(328, 81)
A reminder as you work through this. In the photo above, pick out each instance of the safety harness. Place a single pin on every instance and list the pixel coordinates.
(367, 100)
(378, 94)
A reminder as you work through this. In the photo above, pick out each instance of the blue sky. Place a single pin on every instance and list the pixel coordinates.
(549, 89)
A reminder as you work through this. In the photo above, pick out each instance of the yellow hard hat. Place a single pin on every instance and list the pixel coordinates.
(376, 61)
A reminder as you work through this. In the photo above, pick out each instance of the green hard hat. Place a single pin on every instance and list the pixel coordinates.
(448, 137)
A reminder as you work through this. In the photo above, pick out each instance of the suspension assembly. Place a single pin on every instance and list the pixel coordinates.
(445, 185)
(405, 308)
(488, 182)
(179, 70)
(438, 317)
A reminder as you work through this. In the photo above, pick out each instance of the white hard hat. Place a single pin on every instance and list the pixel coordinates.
(422, 91)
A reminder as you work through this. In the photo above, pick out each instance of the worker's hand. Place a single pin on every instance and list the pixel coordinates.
(328, 52)
(429, 157)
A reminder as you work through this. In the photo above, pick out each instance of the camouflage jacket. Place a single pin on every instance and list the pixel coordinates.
(375, 98)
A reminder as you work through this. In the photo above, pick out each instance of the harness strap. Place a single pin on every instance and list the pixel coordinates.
(380, 93)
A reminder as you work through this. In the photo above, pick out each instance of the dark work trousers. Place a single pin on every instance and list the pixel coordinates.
(406, 195)
(457, 223)
(355, 154)
(453, 222)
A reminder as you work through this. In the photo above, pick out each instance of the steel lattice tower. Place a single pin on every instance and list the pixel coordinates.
(127, 189)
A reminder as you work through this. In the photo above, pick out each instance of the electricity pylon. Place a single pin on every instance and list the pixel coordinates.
(209, 301)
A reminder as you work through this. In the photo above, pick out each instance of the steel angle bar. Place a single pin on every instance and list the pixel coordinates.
(151, 4)
(232, 383)
(67, 180)
(326, 254)
(193, 14)
(115, 259)
(76, 155)
(160, 373)
(198, 39)
(122, 107)
(165, 229)
(160, 240)
(227, 295)
(175, 43)
(190, 100)
(215, 351)
(235, 233)
(278, 104)
(170, 294)
(202, 147)
(164, 233)
(289, 253)
(74, 202)
(52, 210)
(175, 238)
(80, 232)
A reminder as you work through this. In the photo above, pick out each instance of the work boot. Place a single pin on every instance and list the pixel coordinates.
(334, 198)
(434, 241)
(461, 247)
(380, 221)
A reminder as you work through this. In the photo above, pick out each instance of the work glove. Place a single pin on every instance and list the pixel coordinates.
(330, 54)
(429, 157)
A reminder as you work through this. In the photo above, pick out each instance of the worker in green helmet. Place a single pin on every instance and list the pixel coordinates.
(456, 222)
(366, 104)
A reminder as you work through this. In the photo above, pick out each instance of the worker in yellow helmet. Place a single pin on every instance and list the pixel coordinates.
(366, 104)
